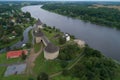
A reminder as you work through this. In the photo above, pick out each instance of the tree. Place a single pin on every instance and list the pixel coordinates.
(42, 76)
(23, 56)
(62, 40)
(65, 72)
(28, 45)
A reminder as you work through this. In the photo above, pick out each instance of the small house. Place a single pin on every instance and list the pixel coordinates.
(16, 54)
(67, 37)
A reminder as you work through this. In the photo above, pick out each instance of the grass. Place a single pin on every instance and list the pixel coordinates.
(37, 47)
(48, 66)
(61, 77)
(16, 77)
(4, 60)
(118, 73)
(2, 70)
(50, 33)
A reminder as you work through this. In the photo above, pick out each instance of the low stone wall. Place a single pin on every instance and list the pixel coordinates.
(50, 56)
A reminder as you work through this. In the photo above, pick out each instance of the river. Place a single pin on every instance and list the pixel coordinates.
(104, 39)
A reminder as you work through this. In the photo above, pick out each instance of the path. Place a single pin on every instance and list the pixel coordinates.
(76, 61)
(30, 60)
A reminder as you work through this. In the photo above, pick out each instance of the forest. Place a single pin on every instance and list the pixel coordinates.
(93, 66)
(103, 16)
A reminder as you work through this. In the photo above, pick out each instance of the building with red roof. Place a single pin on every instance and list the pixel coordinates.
(16, 54)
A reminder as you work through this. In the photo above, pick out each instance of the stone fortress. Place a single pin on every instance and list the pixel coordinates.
(50, 51)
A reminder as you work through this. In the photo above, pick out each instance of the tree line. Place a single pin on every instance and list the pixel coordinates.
(104, 16)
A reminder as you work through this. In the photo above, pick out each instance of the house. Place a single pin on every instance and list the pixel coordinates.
(16, 54)
(67, 37)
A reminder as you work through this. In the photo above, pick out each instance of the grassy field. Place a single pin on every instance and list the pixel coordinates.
(48, 66)
(2, 70)
(51, 33)
(61, 77)
(15, 77)
(4, 60)
(37, 47)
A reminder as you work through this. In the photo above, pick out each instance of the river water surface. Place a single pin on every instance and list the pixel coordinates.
(104, 39)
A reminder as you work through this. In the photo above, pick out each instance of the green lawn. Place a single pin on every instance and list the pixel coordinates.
(4, 60)
(37, 47)
(61, 77)
(16, 77)
(48, 66)
(51, 35)
(2, 70)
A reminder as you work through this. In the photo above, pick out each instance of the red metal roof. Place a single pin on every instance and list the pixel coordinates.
(15, 54)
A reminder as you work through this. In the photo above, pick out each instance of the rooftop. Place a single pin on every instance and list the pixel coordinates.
(39, 22)
(39, 33)
(51, 48)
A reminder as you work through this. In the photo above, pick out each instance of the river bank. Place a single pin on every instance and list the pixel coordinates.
(96, 36)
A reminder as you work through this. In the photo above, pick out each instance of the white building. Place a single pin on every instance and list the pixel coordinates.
(67, 37)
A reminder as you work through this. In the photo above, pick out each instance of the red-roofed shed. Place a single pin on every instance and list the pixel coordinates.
(16, 54)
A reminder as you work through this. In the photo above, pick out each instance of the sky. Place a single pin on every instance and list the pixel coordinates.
(59, 0)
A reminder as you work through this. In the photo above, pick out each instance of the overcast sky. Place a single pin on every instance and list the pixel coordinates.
(59, 0)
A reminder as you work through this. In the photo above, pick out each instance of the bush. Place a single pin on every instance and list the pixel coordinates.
(42, 76)
(62, 40)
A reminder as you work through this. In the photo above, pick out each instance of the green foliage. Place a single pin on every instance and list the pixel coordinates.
(12, 23)
(104, 16)
(65, 72)
(69, 52)
(94, 67)
(91, 52)
(37, 47)
(28, 45)
(62, 40)
(42, 76)
(23, 56)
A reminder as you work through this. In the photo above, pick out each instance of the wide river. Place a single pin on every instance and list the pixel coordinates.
(102, 38)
